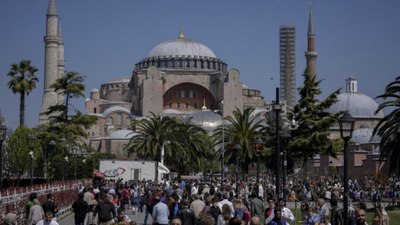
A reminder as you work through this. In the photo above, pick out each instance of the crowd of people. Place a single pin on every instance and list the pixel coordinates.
(207, 202)
(212, 202)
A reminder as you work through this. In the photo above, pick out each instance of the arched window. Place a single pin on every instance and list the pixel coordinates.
(110, 121)
(119, 119)
(95, 110)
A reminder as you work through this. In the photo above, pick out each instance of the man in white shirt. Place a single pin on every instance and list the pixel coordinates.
(48, 220)
(286, 212)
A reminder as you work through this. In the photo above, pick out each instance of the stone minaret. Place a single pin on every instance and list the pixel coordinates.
(311, 54)
(53, 61)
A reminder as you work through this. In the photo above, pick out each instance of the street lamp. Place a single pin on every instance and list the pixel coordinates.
(223, 144)
(277, 108)
(346, 125)
(284, 138)
(31, 140)
(31, 166)
(257, 145)
(3, 135)
(163, 150)
(65, 167)
(52, 145)
(237, 149)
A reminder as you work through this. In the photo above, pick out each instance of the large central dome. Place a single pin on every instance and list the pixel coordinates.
(181, 47)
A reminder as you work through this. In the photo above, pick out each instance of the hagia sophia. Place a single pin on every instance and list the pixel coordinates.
(181, 77)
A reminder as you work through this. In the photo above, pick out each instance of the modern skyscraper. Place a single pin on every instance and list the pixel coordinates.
(287, 52)
(53, 62)
(311, 54)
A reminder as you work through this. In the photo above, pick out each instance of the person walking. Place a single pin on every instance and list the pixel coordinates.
(381, 217)
(36, 213)
(105, 211)
(48, 220)
(257, 206)
(80, 207)
(187, 215)
(50, 206)
(160, 212)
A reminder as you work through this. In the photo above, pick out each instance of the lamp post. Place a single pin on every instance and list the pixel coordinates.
(285, 138)
(31, 140)
(346, 125)
(52, 146)
(257, 145)
(163, 150)
(277, 108)
(3, 134)
(66, 160)
(223, 145)
(237, 149)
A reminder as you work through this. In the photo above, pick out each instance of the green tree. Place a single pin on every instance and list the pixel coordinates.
(62, 123)
(17, 152)
(191, 144)
(388, 127)
(243, 129)
(70, 86)
(153, 133)
(312, 135)
(22, 81)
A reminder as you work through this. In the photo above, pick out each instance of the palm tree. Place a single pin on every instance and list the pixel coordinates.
(23, 81)
(192, 145)
(388, 127)
(243, 129)
(153, 133)
(71, 86)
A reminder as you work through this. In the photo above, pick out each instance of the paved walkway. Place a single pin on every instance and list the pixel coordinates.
(68, 219)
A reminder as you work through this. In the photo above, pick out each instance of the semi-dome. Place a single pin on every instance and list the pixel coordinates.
(356, 103)
(181, 47)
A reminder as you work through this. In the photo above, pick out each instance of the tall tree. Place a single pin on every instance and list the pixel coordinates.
(312, 135)
(243, 129)
(22, 81)
(71, 86)
(389, 127)
(63, 123)
(153, 134)
(17, 152)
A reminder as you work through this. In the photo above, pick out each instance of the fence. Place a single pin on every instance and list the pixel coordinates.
(14, 199)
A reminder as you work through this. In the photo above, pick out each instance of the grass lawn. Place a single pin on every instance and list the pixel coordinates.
(394, 215)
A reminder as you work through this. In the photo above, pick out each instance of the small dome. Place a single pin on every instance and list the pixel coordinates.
(206, 119)
(181, 47)
(121, 134)
(362, 135)
(358, 104)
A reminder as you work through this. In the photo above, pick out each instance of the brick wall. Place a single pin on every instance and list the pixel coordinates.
(14, 199)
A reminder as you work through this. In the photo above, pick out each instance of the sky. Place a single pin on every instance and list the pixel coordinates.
(105, 38)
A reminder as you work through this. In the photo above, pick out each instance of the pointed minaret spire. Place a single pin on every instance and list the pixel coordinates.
(310, 22)
(52, 9)
(311, 53)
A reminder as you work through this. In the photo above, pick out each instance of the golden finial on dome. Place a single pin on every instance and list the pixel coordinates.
(181, 35)
(204, 107)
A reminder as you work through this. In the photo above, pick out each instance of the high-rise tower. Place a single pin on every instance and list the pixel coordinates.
(53, 61)
(311, 54)
(287, 52)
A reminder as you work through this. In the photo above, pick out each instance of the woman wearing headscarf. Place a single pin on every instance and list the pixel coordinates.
(381, 217)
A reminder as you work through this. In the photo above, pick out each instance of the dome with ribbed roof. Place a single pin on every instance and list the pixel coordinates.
(181, 47)
(356, 103)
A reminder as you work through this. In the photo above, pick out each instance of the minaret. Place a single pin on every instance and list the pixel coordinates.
(61, 62)
(51, 42)
(311, 54)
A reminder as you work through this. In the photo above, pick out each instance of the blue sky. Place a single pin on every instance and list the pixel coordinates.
(105, 38)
